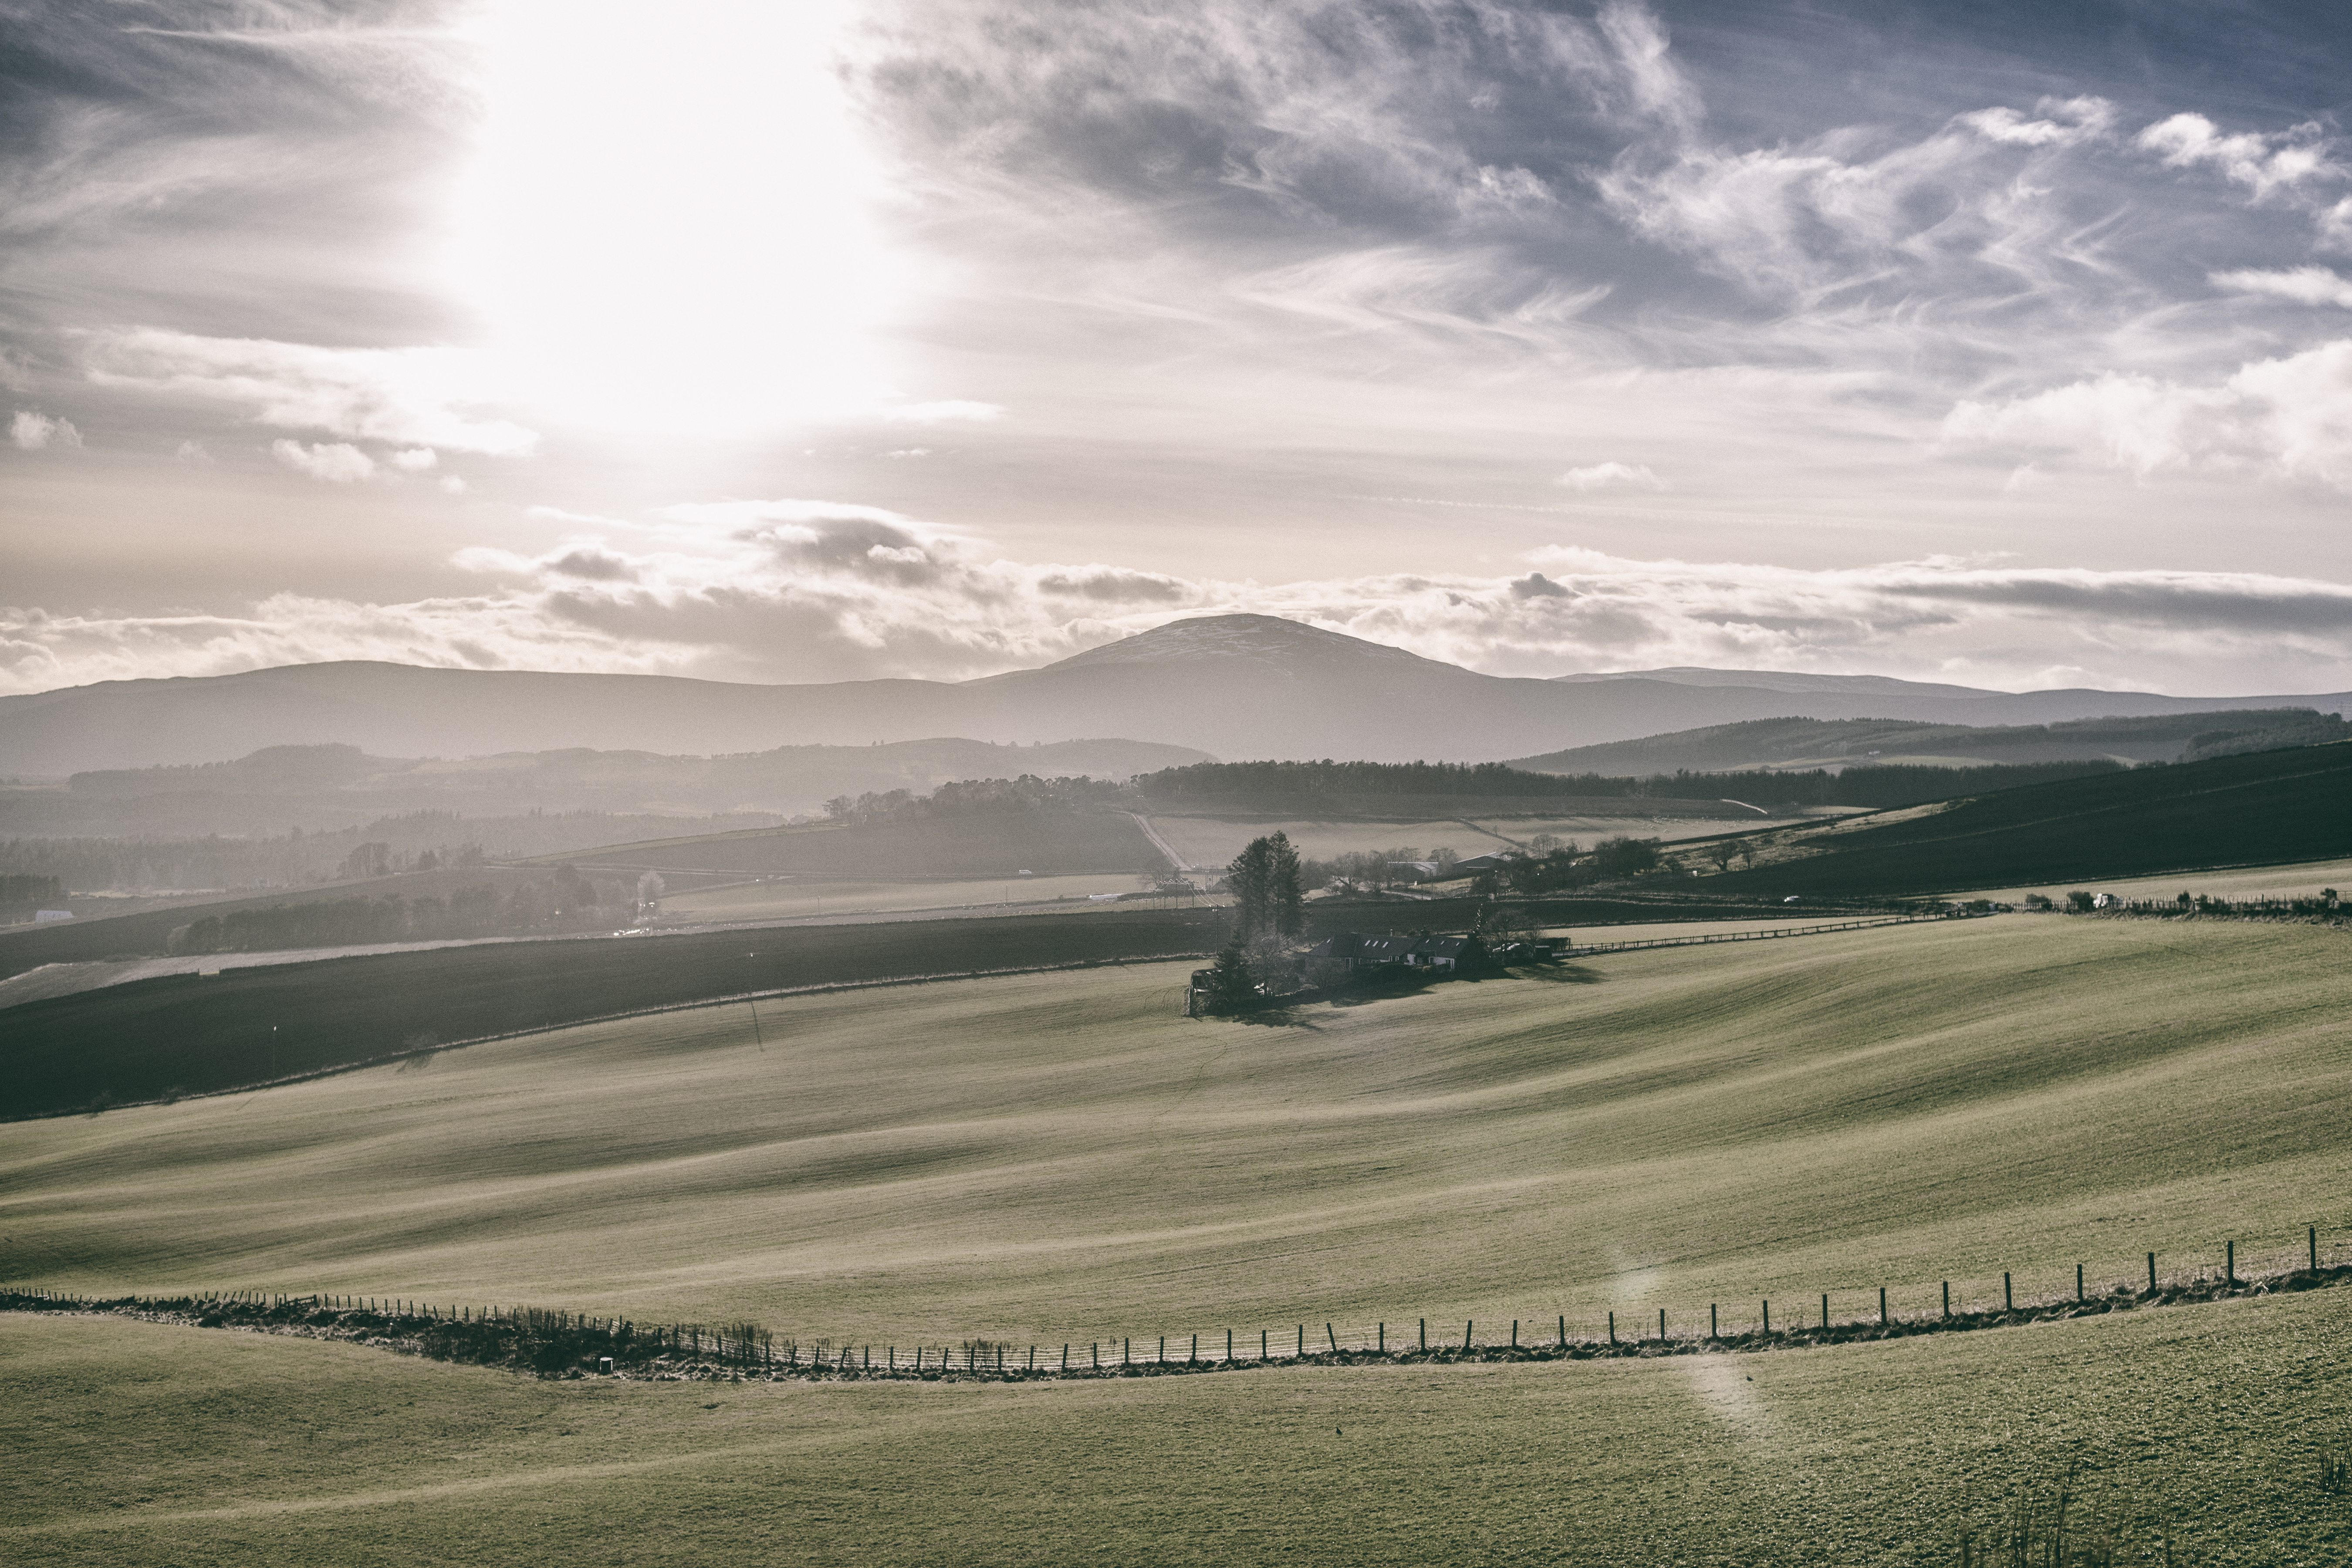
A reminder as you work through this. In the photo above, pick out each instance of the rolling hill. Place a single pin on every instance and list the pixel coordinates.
(1063, 1156)
(1805, 743)
(2269, 807)
(1234, 685)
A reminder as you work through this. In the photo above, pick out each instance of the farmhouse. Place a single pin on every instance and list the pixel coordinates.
(1494, 860)
(1362, 951)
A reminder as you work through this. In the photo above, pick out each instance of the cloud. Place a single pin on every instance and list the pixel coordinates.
(2304, 285)
(1600, 476)
(2065, 121)
(2267, 163)
(193, 452)
(414, 397)
(335, 462)
(834, 595)
(942, 413)
(415, 459)
(2289, 417)
(33, 431)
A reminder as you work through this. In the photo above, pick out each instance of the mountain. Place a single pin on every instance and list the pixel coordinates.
(1236, 686)
(1805, 743)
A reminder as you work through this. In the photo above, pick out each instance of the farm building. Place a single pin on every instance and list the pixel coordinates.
(1360, 951)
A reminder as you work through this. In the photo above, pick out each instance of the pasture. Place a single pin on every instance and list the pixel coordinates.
(2292, 882)
(1062, 1158)
(142, 1444)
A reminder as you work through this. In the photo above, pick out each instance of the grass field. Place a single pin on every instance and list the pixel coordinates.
(2299, 881)
(142, 1446)
(140, 1039)
(1063, 1158)
(2271, 807)
(804, 897)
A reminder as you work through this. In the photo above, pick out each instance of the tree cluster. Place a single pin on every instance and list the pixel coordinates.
(974, 797)
(20, 892)
(1268, 899)
(566, 901)
(1557, 867)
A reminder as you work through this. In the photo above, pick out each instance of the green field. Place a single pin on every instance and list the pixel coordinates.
(141, 1040)
(142, 1444)
(2271, 807)
(1063, 1158)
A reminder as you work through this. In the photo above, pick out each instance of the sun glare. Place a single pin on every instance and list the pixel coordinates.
(668, 221)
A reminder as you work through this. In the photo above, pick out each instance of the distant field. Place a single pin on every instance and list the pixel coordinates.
(144, 1445)
(1046, 842)
(801, 897)
(2256, 882)
(2272, 808)
(1208, 840)
(138, 1040)
(1062, 1157)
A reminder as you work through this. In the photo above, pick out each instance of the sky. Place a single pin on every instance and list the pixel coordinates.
(2005, 344)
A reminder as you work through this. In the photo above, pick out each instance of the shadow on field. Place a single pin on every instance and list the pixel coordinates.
(1558, 973)
(1290, 1015)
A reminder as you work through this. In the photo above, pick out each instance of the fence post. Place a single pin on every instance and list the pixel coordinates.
(1662, 1322)
(2151, 1273)
(1262, 1345)
(1710, 1322)
(2078, 1284)
(1424, 1336)
(2314, 1249)
(1467, 1324)
(1383, 1339)
(1612, 1328)
(2007, 1296)
(1515, 1331)
(1767, 1315)
(1229, 1345)
(1333, 1337)
(1302, 1340)
(1825, 1311)
(1563, 1330)
(1881, 1306)
(1126, 1349)
(1163, 1350)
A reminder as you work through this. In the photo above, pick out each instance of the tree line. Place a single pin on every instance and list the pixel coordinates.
(1874, 785)
(974, 797)
(566, 901)
(18, 891)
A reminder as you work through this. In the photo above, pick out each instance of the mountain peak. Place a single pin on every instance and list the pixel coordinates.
(1261, 640)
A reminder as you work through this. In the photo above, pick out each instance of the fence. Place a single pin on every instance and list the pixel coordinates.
(560, 1342)
(1574, 951)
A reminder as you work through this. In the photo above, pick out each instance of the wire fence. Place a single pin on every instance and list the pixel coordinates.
(557, 1342)
(1574, 951)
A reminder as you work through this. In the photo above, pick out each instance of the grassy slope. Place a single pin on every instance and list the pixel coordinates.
(140, 1445)
(1062, 1157)
(137, 1040)
(2272, 808)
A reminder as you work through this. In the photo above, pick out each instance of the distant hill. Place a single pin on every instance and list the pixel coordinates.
(325, 788)
(1228, 684)
(1836, 743)
(2269, 807)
